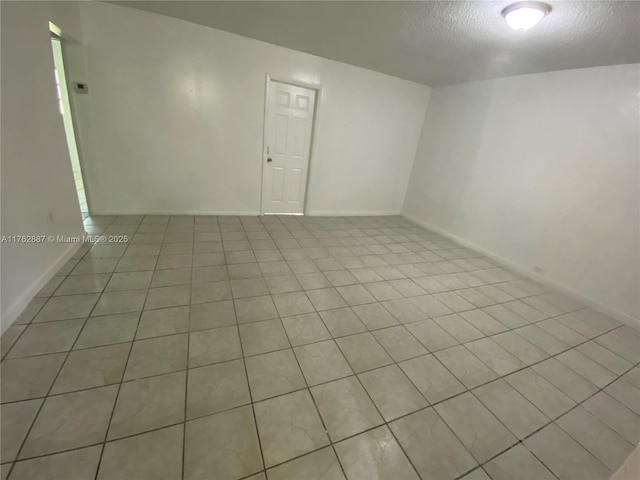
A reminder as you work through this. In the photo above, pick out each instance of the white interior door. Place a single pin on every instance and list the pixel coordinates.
(289, 122)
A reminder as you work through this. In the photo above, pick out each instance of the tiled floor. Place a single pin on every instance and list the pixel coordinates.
(304, 348)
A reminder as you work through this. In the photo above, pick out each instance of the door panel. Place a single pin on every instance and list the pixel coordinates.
(299, 137)
(280, 134)
(283, 99)
(295, 184)
(277, 184)
(302, 102)
(288, 128)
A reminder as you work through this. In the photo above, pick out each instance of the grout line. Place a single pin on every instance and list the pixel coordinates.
(124, 370)
(429, 352)
(68, 353)
(554, 421)
(308, 390)
(186, 380)
(466, 389)
(359, 380)
(588, 339)
(246, 373)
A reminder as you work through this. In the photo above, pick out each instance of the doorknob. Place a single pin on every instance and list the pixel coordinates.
(269, 160)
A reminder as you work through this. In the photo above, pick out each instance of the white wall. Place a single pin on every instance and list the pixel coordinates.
(38, 193)
(175, 121)
(543, 171)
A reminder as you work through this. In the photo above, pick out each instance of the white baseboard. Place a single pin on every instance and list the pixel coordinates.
(19, 305)
(329, 213)
(587, 300)
(185, 212)
(311, 213)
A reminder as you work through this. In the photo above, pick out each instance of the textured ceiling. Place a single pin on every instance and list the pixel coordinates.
(435, 43)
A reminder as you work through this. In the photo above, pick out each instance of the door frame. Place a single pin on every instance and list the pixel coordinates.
(314, 134)
(64, 39)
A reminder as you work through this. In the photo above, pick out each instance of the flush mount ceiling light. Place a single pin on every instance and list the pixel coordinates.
(524, 15)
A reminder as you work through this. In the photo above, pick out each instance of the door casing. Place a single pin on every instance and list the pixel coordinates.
(314, 135)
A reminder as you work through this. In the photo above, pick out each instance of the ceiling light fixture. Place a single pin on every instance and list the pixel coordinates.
(524, 15)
